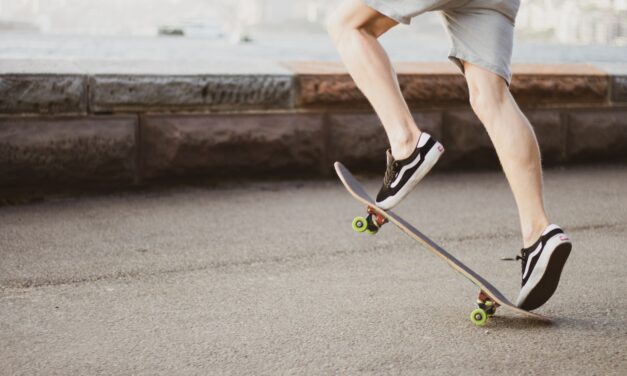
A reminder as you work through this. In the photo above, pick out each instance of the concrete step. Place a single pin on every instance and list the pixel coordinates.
(82, 124)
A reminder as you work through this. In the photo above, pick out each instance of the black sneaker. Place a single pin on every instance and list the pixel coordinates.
(542, 265)
(401, 176)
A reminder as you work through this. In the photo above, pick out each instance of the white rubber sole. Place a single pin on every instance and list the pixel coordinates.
(431, 159)
(546, 275)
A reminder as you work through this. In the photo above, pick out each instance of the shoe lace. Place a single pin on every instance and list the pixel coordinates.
(523, 258)
(390, 173)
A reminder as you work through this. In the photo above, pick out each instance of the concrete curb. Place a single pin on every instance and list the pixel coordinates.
(82, 125)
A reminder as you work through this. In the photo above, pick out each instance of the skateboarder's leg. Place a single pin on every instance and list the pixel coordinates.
(515, 144)
(354, 28)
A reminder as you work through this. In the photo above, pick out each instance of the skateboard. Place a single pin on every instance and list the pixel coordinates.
(489, 297)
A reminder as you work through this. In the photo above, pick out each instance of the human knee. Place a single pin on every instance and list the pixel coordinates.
(487, 94)
(341, 21)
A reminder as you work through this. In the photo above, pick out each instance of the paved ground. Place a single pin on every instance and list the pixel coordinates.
(268, 278)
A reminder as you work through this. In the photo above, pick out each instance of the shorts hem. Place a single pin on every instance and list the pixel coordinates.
(456, 57)
(388, 11)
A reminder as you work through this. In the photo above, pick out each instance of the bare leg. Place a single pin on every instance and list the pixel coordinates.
(354, 28)
(515, 143)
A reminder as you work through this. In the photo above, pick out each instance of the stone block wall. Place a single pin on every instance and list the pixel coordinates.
(80, 129)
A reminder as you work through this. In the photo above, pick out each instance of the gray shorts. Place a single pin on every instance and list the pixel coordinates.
(481, 31)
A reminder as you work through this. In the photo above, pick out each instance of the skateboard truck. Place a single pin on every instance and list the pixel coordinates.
(486, 309)
(369, 224)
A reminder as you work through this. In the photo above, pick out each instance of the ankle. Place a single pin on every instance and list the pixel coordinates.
(403, 146)
(532, 233)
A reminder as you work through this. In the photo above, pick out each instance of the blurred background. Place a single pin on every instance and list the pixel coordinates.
(26, 24)
(561, 21)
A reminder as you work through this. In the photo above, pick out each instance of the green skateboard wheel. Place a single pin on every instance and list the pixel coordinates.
(360, 224)
(478, 317)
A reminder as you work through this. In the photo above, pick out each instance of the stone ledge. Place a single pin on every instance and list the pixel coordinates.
(541, 84)
(619, 89)
(233, 145)
(294, 121)
(62, 151)
(468, 145)
(597, 136)
(428, 84)
(618, 75)
(43, 94)
(323, 84)
(48, 152)
(307, 85)
(358, 139)
(117, 93)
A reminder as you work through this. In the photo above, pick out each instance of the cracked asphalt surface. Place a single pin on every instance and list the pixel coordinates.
(269, 278)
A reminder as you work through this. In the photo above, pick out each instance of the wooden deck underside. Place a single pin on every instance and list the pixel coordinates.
(357, 190)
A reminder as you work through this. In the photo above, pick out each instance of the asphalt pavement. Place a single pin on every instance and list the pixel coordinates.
(269, 278)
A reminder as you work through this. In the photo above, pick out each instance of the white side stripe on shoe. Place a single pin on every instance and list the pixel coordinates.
(403, 170)
(531, 256)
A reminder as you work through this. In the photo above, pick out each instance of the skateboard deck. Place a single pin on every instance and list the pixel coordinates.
(489, 297)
